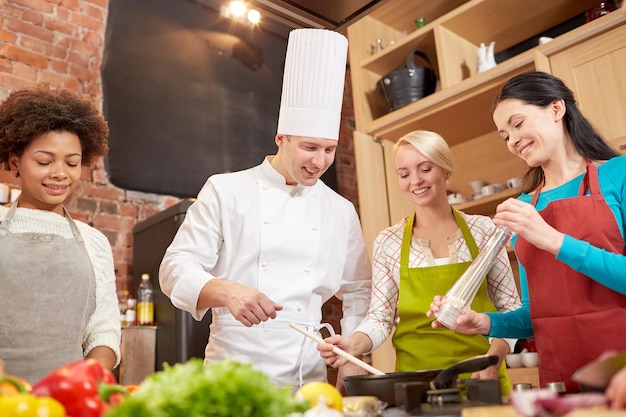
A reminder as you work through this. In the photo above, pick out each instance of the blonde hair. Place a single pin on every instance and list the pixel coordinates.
(429, 144)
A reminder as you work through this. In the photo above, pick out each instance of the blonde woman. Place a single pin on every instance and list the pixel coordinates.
(424, 255)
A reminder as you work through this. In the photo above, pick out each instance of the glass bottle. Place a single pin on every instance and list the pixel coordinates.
(131, 312)
(145, 304)
(462, 293)
(122, 301)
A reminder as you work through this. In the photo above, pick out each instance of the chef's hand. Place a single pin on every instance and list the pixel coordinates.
(616, 391)
(248, 305)
(523, 219)
(469, 322)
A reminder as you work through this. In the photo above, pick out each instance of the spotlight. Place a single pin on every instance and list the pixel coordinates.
(237, 8)
(254, 16)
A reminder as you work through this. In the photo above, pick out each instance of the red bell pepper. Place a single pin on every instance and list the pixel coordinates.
(78, 386)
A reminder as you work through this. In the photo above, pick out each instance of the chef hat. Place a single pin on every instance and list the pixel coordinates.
(313, 82)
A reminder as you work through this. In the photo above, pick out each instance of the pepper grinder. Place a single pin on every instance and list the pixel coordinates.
(462, 293)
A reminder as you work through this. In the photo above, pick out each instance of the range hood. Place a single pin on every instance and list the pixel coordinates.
(328, 14)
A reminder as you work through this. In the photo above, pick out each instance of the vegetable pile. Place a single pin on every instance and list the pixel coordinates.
(219, 389)
(15, 401)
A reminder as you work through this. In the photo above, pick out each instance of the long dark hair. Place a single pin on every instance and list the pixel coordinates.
(541, 89)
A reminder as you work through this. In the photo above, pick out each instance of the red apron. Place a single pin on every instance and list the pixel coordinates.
(574, 318)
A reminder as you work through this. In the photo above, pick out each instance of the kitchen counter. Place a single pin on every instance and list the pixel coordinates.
(509, 411)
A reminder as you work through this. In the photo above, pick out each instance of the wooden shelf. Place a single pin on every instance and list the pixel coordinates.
(460, 108)
(457, 113)
(450, 41)
(524, 376)
(475, 21)
(487, 204)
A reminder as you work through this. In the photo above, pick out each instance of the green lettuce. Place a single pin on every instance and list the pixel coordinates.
(219, 389)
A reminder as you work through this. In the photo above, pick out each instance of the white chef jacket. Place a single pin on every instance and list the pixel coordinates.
(298, 245)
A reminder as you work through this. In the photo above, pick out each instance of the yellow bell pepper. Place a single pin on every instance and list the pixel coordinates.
(26, 405)
(16, 402)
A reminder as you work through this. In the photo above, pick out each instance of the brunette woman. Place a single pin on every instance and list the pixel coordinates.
(570, 226)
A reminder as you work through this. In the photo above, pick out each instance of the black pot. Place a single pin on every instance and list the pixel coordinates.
(383, 386)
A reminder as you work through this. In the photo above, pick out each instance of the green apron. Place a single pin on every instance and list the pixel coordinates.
(419, 346)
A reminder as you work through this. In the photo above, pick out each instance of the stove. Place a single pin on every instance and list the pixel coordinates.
(413, 400)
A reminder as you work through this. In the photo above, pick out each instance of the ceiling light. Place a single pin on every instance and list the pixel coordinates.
(237, 8)
(254, 16)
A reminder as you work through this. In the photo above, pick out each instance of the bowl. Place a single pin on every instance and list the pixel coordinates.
(514, 360)
(530, 359)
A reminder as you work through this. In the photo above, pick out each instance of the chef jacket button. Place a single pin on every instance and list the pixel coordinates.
(307, 270)
(263, 264)
(314, 228)
(266, 222)
(299, 309)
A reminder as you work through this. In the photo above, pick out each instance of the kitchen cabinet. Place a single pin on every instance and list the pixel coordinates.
(590, 58)
(138, 350)
(600, 58)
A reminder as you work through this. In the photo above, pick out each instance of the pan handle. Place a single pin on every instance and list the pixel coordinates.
(445, 378)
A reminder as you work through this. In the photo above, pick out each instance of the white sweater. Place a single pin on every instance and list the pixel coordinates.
(103, 328)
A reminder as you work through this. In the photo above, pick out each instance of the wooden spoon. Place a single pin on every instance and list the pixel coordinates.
(338, 351)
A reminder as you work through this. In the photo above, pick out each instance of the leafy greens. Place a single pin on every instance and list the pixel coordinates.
(219, 389)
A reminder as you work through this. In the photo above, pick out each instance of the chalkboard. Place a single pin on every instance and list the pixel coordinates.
(187, 94)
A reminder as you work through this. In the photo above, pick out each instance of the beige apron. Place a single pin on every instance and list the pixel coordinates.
(47, 295)
(418, 345)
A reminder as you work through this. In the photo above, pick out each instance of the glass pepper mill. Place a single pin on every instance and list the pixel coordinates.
(462, 293)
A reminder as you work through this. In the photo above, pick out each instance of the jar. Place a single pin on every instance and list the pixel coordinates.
(598, 10)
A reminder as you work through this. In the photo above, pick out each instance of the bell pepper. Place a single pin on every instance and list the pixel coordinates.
(26, 405)
(16, 402)
(10, 385)
(78, 386)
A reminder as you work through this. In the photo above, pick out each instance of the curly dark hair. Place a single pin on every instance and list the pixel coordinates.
(29, 113)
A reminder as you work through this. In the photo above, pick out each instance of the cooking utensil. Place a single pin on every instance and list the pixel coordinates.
(462, 293)
(382, 386)
(338, 351)
(598, 373)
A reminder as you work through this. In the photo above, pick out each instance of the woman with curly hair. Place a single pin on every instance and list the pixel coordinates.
(57, 283)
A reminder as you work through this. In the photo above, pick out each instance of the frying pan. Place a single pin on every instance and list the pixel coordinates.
(382, 386)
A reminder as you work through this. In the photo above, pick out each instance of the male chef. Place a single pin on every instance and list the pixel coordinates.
(267, 246)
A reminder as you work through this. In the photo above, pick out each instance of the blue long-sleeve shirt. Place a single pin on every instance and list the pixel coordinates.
(604, 267)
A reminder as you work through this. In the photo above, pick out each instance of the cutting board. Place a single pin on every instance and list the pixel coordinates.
(509, 411)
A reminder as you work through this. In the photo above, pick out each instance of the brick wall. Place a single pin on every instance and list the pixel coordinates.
(61, 42)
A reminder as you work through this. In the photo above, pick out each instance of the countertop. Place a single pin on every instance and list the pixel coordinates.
(509, 411)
